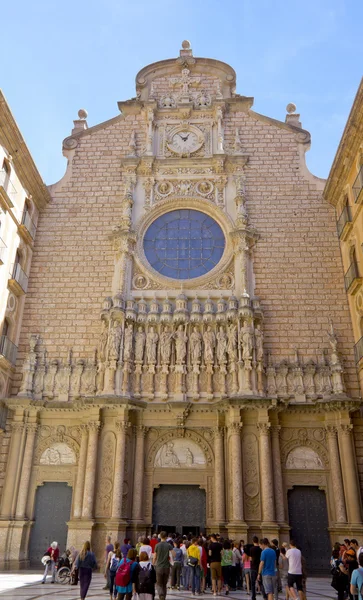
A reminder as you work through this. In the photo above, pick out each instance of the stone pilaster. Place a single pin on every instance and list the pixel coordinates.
(336, 474)
(350, 478)
(138, 491)
(277, 475)
(9, 490)
(219, 482)
(91, 465)
(236, 525)
(31, 430)
(81, 472)
(267, 480)
(118, 482)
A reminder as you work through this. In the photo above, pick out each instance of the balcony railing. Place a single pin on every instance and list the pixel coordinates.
(344, 219)
(17, 274)
(351, 275)
(358, 186)
(28, 223)
(2, 251)
(8, 349)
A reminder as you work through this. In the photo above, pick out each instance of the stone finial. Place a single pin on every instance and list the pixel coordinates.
(292, 118)
(186, 49)
(80, 124)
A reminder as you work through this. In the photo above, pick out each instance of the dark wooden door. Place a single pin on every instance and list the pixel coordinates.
(308, 517)
(181, 506)
(52, 511)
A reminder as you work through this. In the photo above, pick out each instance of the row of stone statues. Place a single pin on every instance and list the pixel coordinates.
(185, 342)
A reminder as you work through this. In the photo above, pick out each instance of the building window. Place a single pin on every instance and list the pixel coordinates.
(183, 244)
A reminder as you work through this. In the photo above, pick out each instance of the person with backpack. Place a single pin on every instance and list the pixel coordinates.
(178, 561)
(193, 562)
(111, 556)
(356, 583)
(114, 561)
(161, 561)
(126, 576)
(85, 563)
(146, 578)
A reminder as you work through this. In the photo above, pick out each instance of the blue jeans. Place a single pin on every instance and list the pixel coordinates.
(194, 578)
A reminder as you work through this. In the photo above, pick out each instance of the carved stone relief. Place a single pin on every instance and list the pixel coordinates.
(251, 476)
(106, 472)
(180, 453)
(303, 458)
(58, 453)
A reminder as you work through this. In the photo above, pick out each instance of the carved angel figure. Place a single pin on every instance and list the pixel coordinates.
(180, 344)
(165, 345)
(128, 342)
(114, 341)
(195, 346)
(221, 345)
(102, 347)
(151, 345)
(139, 344)
(232, 342)
(247, 342)
(209, 339)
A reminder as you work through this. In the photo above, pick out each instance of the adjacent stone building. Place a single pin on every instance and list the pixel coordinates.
(186, 359)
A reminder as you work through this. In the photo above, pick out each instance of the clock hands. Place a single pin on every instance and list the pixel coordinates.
(184, 138)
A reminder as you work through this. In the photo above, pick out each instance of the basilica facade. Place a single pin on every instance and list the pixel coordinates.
(186, 355)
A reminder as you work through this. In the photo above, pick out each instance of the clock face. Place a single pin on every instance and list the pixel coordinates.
(185, 142)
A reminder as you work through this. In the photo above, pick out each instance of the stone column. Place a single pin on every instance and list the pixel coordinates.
(236, 460)
(267, 485)
(118, 482)
(277, 472)
(336, 474)
(352, 493)
(219, 485)
(137, 496)
(91, 466)
(26, 470)
(17, 429)
(81, 472)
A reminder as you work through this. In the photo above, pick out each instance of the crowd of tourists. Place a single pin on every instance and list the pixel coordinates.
(206, 563)
(347, 569)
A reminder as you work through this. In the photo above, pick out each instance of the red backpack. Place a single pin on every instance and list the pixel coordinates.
(123, 574)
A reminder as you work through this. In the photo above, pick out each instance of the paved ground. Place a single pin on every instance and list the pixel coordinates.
(26, 586)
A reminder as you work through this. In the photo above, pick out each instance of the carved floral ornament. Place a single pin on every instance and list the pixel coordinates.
(171, 450)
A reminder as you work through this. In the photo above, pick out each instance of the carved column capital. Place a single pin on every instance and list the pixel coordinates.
(218, 432)
(235, 428)
(140, 430)
(346, 430)
(32, 427)
(94, 426)
(264, 428)
(331, 431)
(123, 426)
(17, 427)
(276, 430)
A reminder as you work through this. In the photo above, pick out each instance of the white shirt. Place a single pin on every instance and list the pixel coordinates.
(148, 549)
(294, 556)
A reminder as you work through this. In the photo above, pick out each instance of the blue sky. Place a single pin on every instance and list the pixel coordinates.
(59, 56)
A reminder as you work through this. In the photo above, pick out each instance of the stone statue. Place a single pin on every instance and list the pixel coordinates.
(165, 345)
(102, 346)
(151, 345)
(114, 341)
(232, 342)
(170, 458)
(128, 342)
(259, 343)
(221, 345)
(189, 458)
(139, 344)
(247, 342)
(332, 338)
(181, 339)
(195, 346)
(209, 339)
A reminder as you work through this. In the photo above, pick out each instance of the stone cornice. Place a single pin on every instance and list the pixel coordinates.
(347, 150)
(24, 165)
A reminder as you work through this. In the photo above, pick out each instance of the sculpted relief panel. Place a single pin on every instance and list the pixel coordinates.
(304, 458)
(180, 453)
(58, 454)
